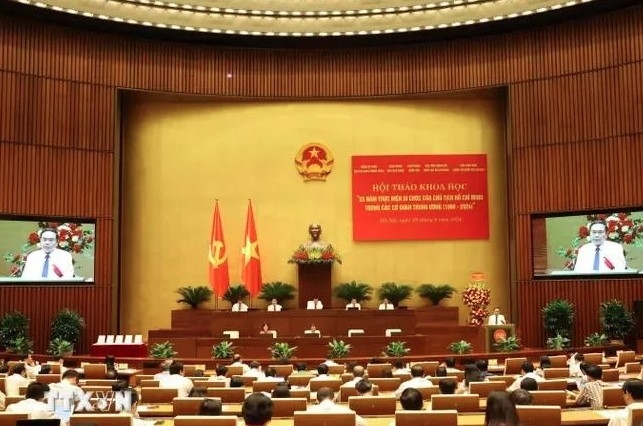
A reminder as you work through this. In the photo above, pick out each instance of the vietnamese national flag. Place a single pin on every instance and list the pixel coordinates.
(251, 263)
(217, 258)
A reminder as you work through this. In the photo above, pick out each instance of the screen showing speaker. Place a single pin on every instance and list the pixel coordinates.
(588, 244)
(47, 251)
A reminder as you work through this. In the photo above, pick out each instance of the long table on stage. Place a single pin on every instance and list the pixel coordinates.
(308, 347)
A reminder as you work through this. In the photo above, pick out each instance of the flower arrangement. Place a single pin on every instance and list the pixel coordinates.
(315, 254)
(621, 228)
(71, 238)
(477, 297)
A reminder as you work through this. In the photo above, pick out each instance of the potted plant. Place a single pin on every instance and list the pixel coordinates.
(194, 296)
(353, 290)
(60, 348)
(283, 292)
(558, 318)
(163, 350)
(282, 350)
(235, 293)
(223, 350)
(396, 349)
(435, 293)
(395, 293)
(21, 345)
(509, 344)
(616, 320)
(596, 339)
(338, 349)
(13, 325)
(461, 347)
(67, 325)
(558, 342)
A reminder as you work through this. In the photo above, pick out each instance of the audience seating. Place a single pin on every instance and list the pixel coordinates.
(611, 375)
(558, 384)
(55, 368)
(624, 357)
(189, 370)
(386, 384)
(286, 407)
(283, 370)
(375, 370)
(436, 380)
(556, 373)
(593, 358)
(264, 385)
(558, 398)
(372, 405)
(404, 376)
(7, 419)
(47, 379)
(427, 393)
(8, 400)
(141, 377)
(213, 383)
(22, 390)
(509, 380)
(149, 383)
(94, 371)
(102, 382)
(635, 416)
(533, 415)
(558, 361)
(632, 367)
(297, 380)
(103, 389)
(2, 389)
(426, 418)
(485, 388)
(186, 406)
(158, 395)
(300, 393)
(348, 391)
(334, 384)
(336, 369)
(247, 380)
(205, 421)
(513, 365)
(234, 370)
(306, 418)
(613, 397)
(227, 394)
(346, 377)
(100, 420)
(460, 403)
(429, 367)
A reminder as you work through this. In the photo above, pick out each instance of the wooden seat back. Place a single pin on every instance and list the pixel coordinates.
(100, 420)
(286, 407)
(334, 384)
(460, 403)
(307, 418)
(593, 358)
(426, 418)
(556, 373)
(283, 370)
(513, 365)
(187, 406)
(264, 385)
(297, 380)
(375, 370)
(558, 361)
(533, 415)
(205, 421)
(556, 397)
(47, 379)
(624, 357)
(386, 384)
(158, 395)
(557, 384)
(613, 397)
(485, 388)
(611, 375)
(436, 380)
(94, 371)
(429, 367)
(150, 383)
(507, 379)
(372, 405)
(227, 395)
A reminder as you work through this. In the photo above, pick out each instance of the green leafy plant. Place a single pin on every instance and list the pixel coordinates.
(558, 318)
(596, 339)
(396, 349)
(222, 350)
(509, 344)
(558, 342)
(435, 293)
(283, 292)
(234, 293)
(395, 293)
(67, 325)
(616, 320)
(21, 345)
(282, 350)
(461, 347)
(338, 349)
(60, 347)
(353, 290)
(13, 325)
(163, 350)
(194, 296)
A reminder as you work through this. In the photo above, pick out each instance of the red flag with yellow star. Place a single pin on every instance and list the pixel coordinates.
(251, 263)
(217, 258)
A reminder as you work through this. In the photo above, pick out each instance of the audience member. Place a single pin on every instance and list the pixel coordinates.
(237, 361)
(411, 399)
(45, 369)
(527, 371)
(281, 391)
(633, 398)
(236, 382)
(399, 367)
(176, 380)
(221, 375)
(34, 403)
(358, 374)
(449, 363)
(529, 384)
(326, 404)
(255, 371)
(447, 386)
(364, 387)
(165, 369)
(68, 385)
(592, 393)
(387, 373)
(257, 409)
(322, 372)
(483, 366)
(500, 410)
(314, 304)
(574, 363)
(521, 397)
(198, 392)
(210, 407)
(16, 380)
(417, 381)
(31, 366)
(441, 371)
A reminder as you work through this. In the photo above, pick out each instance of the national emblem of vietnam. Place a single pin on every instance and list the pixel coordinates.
(314, 161)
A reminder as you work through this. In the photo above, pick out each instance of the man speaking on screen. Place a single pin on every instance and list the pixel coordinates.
(48, 263)
(600, 255)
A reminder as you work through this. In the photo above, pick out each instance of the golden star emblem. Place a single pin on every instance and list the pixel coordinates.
(249, 250)
(314, 153)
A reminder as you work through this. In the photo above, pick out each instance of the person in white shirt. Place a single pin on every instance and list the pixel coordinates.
(574, 363)
(237, 361)
(417, 381)
(257, 409)
(314, 304)
(496, 318)
(68, 386)
(271, 376)
(326, 404)
(18, 379)
(329, 362)
(399, 368)
(386, 305)
(633, 398)
(322, 373)
(221, 375)
(354, 305)
(34, 403)
(176, 380)
(165, 370)
(527, 371)
(32, 367)
(358, 374)
(255, 371)
(449, 363)
(274, 306)
(600, 255)
(49, 262)
(239, 306)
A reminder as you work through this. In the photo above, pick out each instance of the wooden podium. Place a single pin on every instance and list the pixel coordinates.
(493, 333)
(314, 281)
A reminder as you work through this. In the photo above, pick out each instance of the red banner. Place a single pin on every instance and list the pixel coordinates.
(420, 197)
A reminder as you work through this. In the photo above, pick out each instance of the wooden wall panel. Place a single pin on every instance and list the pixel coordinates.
(575, 102)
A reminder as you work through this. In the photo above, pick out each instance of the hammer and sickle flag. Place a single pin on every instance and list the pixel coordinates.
(217, 257)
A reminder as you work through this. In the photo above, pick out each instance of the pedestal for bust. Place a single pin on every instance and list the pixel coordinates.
(314, 281)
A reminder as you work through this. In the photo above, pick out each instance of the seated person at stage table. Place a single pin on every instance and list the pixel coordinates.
(48, 262)
(354, 305)
(496, 318)
(386, 306)
(239, 306)
(176, 380)
(312, 331)
(274, 306)
(600, 255)
(314, 304)
(633, 398)
(265, 329)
